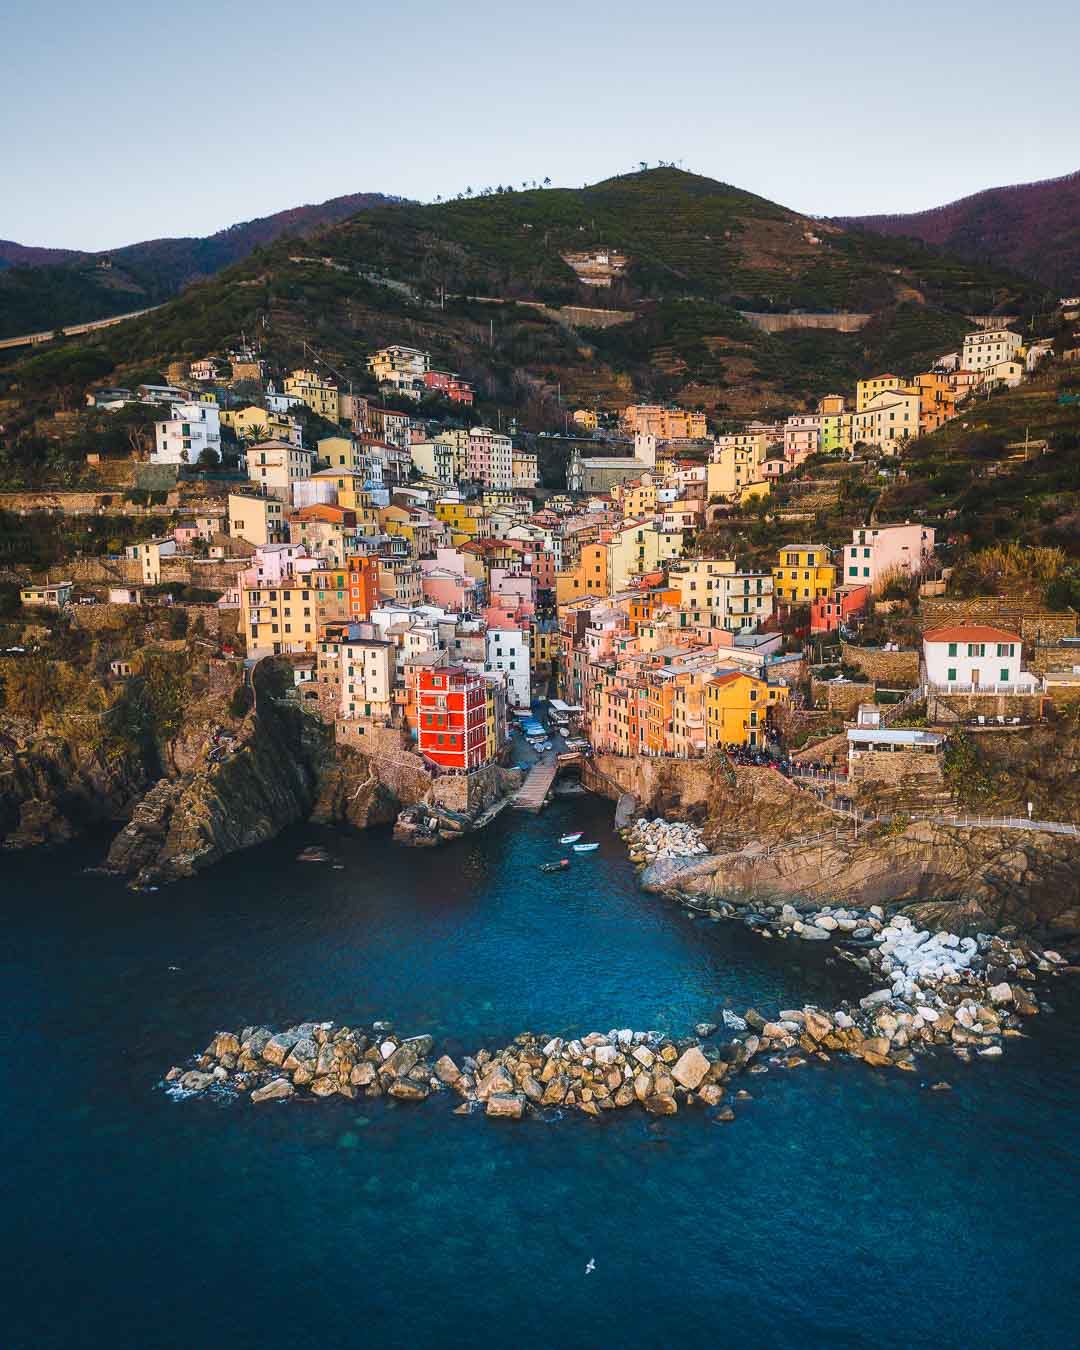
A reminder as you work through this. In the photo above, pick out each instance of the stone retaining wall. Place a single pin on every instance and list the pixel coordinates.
(1051, 656)
(872, 766)
(1027, 616)
(784, 323)
(896, 669)
(842, 698)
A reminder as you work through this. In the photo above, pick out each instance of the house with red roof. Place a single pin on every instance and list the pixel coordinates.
(973, 656)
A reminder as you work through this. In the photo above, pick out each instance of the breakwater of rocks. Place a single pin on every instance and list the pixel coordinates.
(962, 996)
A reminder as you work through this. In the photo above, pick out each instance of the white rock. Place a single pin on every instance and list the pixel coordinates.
(927, 1014)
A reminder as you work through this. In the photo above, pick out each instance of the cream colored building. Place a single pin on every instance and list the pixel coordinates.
(887, 421)
(259, 520)
(274, 466)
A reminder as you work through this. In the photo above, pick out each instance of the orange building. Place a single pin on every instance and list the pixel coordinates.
(363, 586)
(937, 400)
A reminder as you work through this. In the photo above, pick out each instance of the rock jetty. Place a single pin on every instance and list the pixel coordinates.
(964, 999)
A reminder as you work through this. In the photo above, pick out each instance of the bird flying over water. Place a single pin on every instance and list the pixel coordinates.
(590, 1267)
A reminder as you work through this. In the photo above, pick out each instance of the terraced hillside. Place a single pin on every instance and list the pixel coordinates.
(482, 283)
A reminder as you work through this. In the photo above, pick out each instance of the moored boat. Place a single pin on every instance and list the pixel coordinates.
(570, 838)
(559, 866)
(585, 848)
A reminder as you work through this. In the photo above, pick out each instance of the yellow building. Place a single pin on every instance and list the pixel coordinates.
(865, 390)
(735, 463)
(285, 616)
(737, 708)
(410, 525)
(340, 452)
(320, 395)
(258, 424)
(803, 573)
(699, 585)
(888, 421)
(588, 577)
(586, 419)
(760, 487)
(259, 520)
(637, 497)
(465, 520)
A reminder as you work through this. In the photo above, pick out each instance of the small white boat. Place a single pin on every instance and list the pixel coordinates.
(585, 848)
(570, 838)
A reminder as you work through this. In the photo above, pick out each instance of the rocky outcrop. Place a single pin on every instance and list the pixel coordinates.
(218, 806)
(359, 791)
(968, 880)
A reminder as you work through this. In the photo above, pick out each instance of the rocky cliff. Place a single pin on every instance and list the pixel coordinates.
(224, 799)
(771, 841)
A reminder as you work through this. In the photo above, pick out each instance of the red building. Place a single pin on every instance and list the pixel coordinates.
(363, 586)
(450, 386)
(451, 717)
(827, 612)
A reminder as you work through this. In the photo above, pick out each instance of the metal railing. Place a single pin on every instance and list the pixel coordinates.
(1008, 823)
(954, 688)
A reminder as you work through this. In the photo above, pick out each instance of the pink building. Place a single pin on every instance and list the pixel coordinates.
(802, 436)
(271, 564)
(879, 552)
(513, 588)
(453, 591)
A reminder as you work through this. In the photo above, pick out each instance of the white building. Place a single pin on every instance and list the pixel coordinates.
(985, 349)
(973, 656)
(182, 437)
(507, 650)
(280, 403)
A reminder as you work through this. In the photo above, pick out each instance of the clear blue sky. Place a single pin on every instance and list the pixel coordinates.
(132, 121)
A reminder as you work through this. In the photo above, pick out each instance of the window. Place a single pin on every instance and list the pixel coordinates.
(952, 648)
(950, 674)
(1004, 676)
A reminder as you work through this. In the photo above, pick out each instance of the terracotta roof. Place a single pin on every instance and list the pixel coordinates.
(974, 632)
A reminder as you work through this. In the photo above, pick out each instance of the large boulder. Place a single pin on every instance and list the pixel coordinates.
(495, 1081)
(276, 1090)
(303, 1055)
(691, 1068)
(506, 1105)
(278, 1047)
(408, 1090)
(446, 1071)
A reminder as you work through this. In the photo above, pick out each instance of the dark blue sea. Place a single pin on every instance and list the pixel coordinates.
(844, 1207)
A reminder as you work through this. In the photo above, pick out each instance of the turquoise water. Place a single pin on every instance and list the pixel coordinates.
(843, 1208)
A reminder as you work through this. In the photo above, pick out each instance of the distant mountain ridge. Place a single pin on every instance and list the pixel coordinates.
(1031, 227)
(42, 288)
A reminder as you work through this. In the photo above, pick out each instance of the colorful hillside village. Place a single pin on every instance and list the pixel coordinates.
(426, 589)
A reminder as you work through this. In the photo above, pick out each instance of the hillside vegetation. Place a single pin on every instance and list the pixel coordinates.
(1032, 227)
(43, 288)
